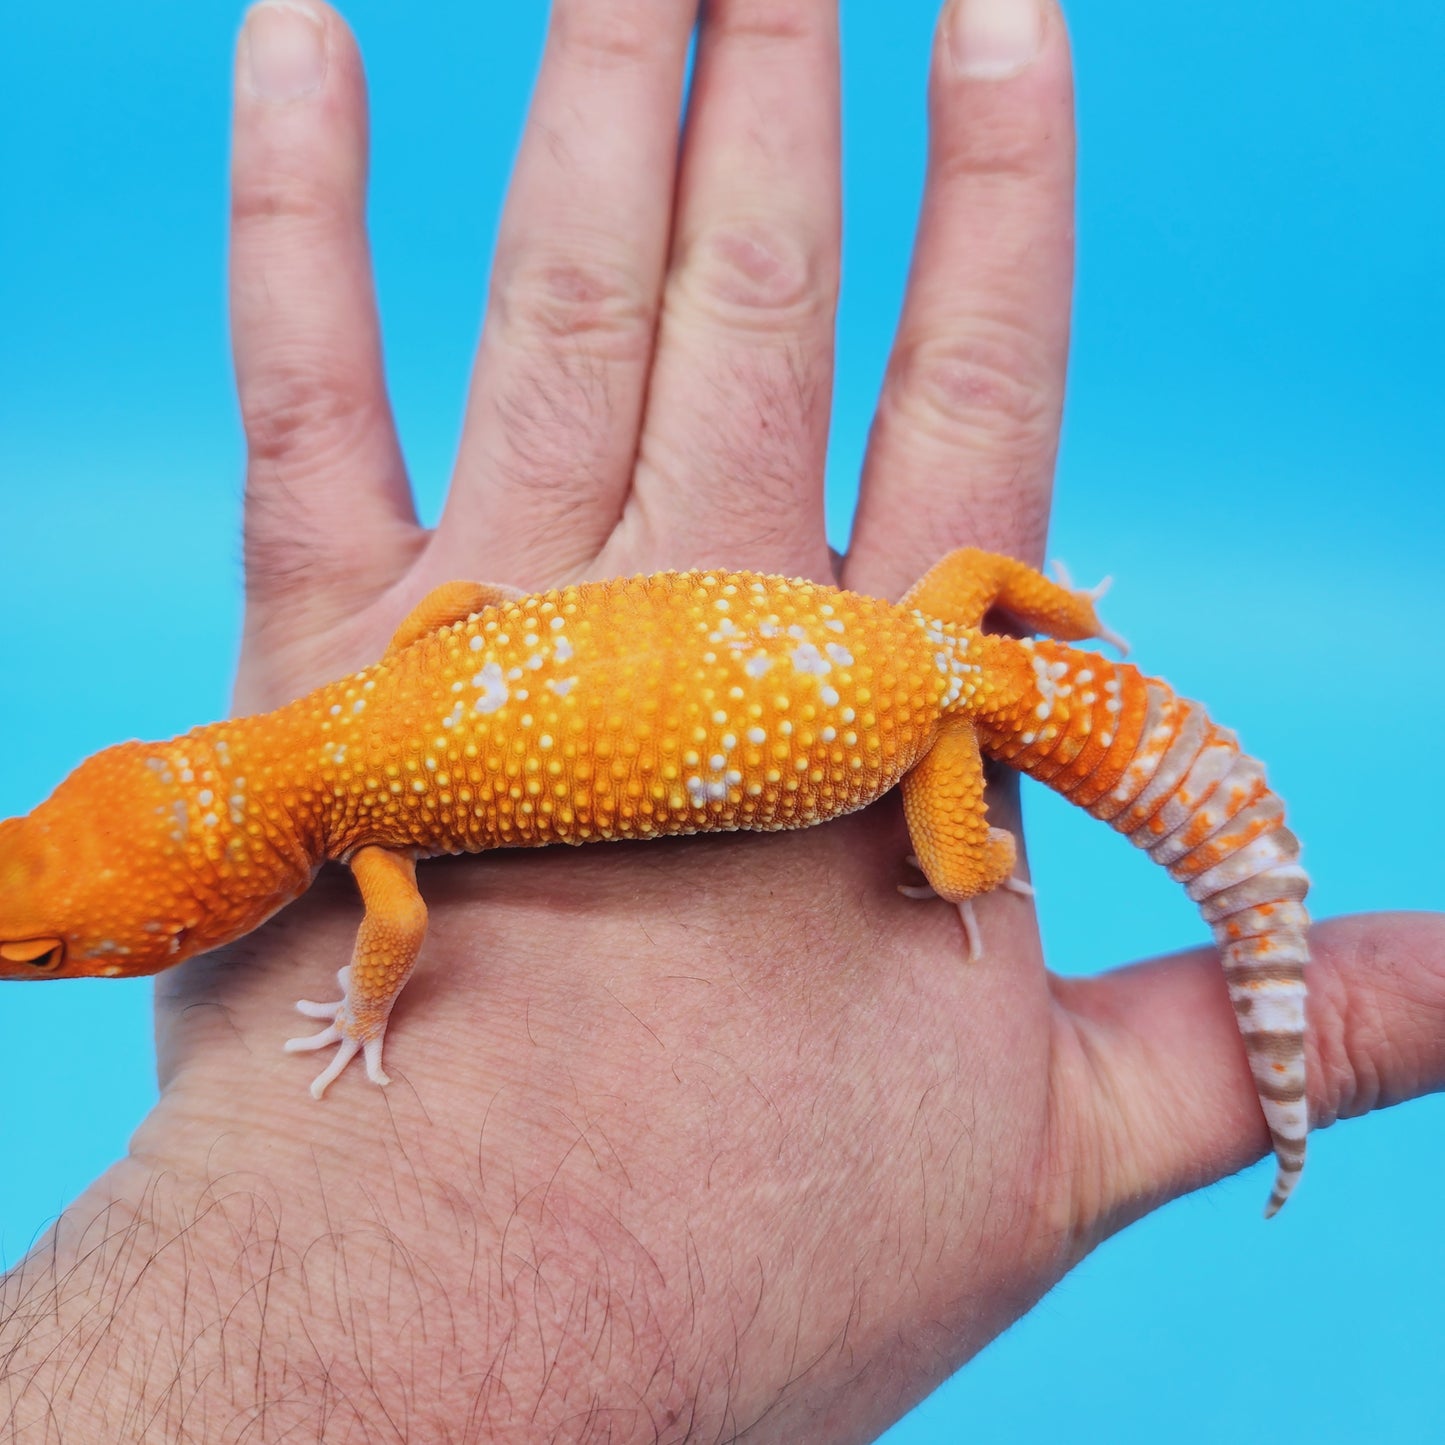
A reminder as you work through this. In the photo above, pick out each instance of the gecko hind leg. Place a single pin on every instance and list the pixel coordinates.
(960, 854)
(965, 584)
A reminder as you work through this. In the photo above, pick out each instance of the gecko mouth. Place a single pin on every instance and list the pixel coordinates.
(44, 955)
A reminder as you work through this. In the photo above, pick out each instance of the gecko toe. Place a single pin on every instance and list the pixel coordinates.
(331, 1035)
(319, 1010)
(917, 890)
(970, 930)
(372, 1051)
(346, 1050)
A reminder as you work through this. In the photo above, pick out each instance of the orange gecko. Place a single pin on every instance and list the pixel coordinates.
(676, 703)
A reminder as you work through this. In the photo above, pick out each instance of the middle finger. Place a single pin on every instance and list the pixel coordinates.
(551, 427)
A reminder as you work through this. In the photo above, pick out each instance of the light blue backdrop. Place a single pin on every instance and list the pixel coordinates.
(1254, 448)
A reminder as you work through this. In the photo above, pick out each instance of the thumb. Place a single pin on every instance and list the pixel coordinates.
(1155, 1097)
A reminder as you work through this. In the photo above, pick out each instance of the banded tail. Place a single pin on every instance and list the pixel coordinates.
(1154, 766)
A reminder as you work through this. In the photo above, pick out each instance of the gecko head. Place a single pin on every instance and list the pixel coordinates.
(30, 944)
(89, 882)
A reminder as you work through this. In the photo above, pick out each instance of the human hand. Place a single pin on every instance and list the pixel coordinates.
(857, 1155)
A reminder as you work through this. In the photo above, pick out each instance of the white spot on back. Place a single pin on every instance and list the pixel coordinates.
(808, 660)
(491, 688)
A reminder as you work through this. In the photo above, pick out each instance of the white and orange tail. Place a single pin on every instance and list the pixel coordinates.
(1157, 769)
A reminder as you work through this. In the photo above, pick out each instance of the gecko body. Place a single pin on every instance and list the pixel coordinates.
(667, 704)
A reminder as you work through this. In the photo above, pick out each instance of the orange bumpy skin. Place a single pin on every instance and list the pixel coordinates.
(669, 704)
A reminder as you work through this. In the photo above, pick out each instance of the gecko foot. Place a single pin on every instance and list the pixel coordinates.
(965, 912)
(338, 1032)
(1103, 633)
(1021, 886)
(965, 906)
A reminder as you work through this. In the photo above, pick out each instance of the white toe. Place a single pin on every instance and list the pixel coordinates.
(305, 1045)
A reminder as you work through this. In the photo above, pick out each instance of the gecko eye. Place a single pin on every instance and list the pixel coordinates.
(44, 955)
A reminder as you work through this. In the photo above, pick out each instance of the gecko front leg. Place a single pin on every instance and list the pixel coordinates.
(387, 944)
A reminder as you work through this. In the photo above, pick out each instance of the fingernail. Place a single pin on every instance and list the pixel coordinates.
(993, 39)
(285, 49)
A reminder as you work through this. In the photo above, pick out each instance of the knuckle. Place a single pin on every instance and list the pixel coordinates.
(607, 36)
(769, 21)
(976, 389)
(261, 197)
(1358, 1051)
(1338, 1062)
(297, 408)
(995, 146)
(752, 274)
(596, 303)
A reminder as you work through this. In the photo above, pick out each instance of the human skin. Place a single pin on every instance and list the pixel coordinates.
(715, 1135)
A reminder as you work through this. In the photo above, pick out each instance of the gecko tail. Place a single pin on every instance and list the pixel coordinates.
(1157, 769)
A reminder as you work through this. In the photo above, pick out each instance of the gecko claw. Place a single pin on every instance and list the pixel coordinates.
(1092, 595)
(1107, 634)
(1062, 577)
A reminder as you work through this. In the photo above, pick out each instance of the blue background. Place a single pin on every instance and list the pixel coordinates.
(1253, 447)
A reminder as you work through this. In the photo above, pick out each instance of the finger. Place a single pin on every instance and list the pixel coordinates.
(551, 430)
(319, 431)
(1161, 1097)
(967, 427)
(731, 465)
